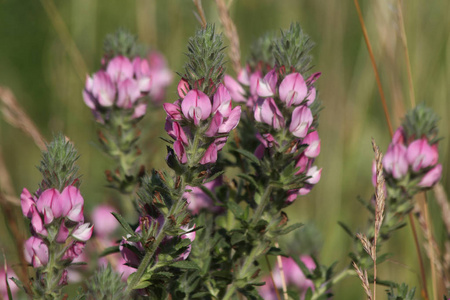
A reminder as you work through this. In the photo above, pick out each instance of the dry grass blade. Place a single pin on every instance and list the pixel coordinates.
(380, 202)
(232, 35)
(16, 116)
(442, 201)
(283, 278)
(201, 14)
(271, 278)
(367, 245)
(372, 59)
(364, 280)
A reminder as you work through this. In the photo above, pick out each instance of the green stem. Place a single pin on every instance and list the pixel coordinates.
(257, 250)
(149, 255)
(262, 205)
(326, 286)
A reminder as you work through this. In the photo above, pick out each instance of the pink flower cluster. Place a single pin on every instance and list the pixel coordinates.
(195, 116)
(294, 95)
(293, 275)
(55, 217)
(133, 252)
(416, 157)
(122, 84)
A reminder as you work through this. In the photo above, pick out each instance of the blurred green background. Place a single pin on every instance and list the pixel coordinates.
(35, 64)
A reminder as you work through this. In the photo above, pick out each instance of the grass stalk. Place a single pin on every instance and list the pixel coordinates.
(271, 277)
(283, 277)
(201, 14)
(374, 65)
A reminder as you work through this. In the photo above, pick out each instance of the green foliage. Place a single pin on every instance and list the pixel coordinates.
(206, 61)
(58, 166)
(292, 49)
(105, 284)
(122, 42)
(261, 52)
(421, 121)
(401, 292)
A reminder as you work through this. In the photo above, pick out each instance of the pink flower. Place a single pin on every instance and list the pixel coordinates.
(311, 89)
(314, 173)
(301, 121)
(74, 251)
(267, 111)
(399, 136)
(191, 237)
(197, 199)
(63, 234)
(196, 106)
(83, 232)
(142, 73)
(180, 151)
(119, 68)
(26, 202)
(431, 177)
(173, 110)
(72, 204)
(139, 110)
(313, 142)
(161, 75)
(267, 87)
(395, 162)
(235, 89)
(222, 101)
(104, 221)
(421, 155)
(183, 88)
(12, 286)
(232, 121)
(128, 93)
(293, 89)
(302, 163)
(243, 76)
(36, 252)
(210, 155)
(103, 90)
(131, 252)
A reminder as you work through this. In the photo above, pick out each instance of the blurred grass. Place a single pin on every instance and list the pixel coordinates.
(36, 66)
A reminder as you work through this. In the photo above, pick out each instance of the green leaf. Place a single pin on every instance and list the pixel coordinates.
(211, 178)
(250, 180)
(248, 155)
(110, 250)
(185, 264)
(346, 229)
(235, 209)
(290, 228)
(124, 223)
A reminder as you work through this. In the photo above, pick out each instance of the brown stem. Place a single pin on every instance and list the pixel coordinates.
(372, 59)
(271, 277)
(232, 35)
(422, 268)
(201, 13)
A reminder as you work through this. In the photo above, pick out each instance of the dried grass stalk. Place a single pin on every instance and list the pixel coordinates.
(201, 14)
(232, 35)
(364, 280)
(16, 116)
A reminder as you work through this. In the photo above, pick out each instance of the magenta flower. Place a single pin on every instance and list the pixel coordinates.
(196, 106)
(119, 68)
(395, 161)
(302, 163)
(180, 151)
(314, 173)
(236, 91)
(128, 93)
(266, 87)
(27, 201)
(142, 72)
(83, 232)
(301, 121)
(74, 251)
(210, 155)
(36, 252)
(431, 177)
(421, 155)
(293, 89)
(183, 88)
(266, 111)
(313, 142)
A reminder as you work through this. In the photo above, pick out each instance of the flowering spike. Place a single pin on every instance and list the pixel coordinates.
(421, 121)
(122, 42)
(292, 49)
(206, 60)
